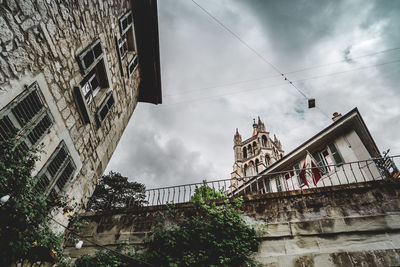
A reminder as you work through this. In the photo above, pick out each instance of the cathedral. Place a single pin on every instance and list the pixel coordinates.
(256, 153)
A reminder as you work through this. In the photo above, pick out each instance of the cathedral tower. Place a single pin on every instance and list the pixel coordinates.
(256, 153)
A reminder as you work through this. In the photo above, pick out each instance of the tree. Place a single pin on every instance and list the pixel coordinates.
(204, 193)
(213, 235)
(115, 191)
(24, 226)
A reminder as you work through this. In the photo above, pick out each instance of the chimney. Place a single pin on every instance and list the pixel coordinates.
(336, 116)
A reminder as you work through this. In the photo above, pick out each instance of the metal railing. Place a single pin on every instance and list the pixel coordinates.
(288, 180)
(263, 183)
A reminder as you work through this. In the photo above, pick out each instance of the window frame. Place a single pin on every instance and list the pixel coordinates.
(51, 187)
(23, 129)
(90, 50)
(108, 102)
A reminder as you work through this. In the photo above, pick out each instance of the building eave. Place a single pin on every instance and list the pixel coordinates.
(352, 120)
(147, 38)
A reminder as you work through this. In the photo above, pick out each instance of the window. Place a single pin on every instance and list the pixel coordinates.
(103, 110)
(132, 66)
(264, 141)
(92, 96)
(328, 156)
(126, 44)
(244, 152)
(267, 160)
(335, 154)
(266, 186)
(278, 184)
(26, 118)
(90, 57)
(257, 162)
(57, 171)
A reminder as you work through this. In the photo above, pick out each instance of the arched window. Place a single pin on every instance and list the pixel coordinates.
(257, 162)
(254, 148)
(245, 169)
(267, 160)
(249, 150)
(245, 153)
(264, 141)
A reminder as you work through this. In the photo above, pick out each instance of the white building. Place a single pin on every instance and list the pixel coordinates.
(341, 154)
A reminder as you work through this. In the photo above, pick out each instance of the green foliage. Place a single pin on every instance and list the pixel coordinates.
(115, 191)
(204, 193)
(101, 258)
(24, 228)
(213, 235)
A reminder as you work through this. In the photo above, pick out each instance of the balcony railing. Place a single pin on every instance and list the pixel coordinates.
(330, 175)
(288, 180)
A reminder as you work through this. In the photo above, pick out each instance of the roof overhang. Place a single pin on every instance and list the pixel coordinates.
(351, 121)
(147, 41)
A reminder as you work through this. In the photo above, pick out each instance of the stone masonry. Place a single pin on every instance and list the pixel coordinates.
(346, 225)
(43, 38)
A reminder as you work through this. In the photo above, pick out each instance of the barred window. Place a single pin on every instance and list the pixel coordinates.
(56, 172)
(26, 118)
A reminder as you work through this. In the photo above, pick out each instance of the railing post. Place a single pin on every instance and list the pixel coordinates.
(345, 174)
(337, 176)
(361, 171)
(351, 168)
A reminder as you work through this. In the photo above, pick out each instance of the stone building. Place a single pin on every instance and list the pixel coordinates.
(256, 153)
(71, 75)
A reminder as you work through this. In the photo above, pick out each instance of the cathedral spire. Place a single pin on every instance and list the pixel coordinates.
(237, 138)
(261, 126)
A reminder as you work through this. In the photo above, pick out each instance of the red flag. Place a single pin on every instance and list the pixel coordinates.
(302, 174)
(316, 173)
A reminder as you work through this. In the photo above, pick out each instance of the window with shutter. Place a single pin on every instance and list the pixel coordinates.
(56, 172)
(91, 93)
(335, 154)
(26, 118)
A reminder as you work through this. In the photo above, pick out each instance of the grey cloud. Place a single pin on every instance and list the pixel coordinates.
(180, 143)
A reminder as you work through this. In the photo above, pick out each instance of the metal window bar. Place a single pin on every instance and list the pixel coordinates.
(26, 116)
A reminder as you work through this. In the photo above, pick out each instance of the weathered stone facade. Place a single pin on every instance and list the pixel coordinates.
(39, 42)
(347, 225)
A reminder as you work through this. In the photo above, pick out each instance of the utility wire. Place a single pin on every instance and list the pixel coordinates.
(278, 84)
(277, 75)
(252, 49)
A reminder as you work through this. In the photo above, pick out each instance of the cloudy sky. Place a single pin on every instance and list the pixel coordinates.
(345, 54)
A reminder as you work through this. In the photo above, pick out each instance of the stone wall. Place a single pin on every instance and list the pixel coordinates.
(348, 225)
(39, 41)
